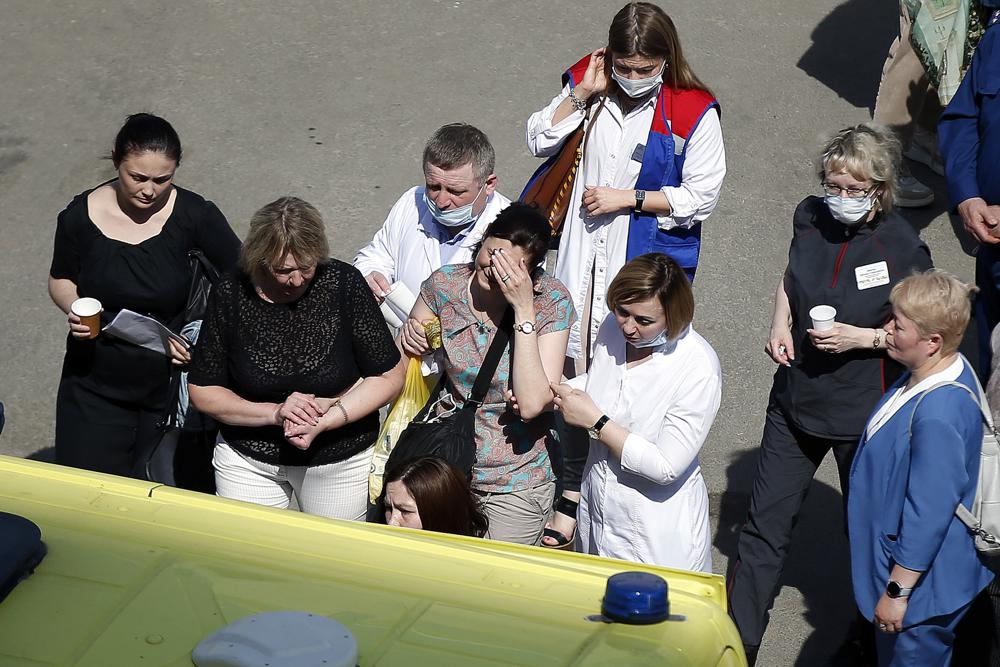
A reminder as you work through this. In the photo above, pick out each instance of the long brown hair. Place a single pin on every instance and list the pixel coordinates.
(643, 29)
(444, 499)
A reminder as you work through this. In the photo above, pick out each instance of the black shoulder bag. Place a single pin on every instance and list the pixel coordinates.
(451, 436)
(178, 457)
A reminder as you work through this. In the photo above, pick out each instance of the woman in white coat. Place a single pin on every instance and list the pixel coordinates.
(649, 400)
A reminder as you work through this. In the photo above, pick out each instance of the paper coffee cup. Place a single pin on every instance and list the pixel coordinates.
(822, 317)
(89, 312)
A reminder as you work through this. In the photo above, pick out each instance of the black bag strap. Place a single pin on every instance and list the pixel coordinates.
(492, 359)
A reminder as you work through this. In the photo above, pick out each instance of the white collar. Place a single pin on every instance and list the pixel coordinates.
(902, 395)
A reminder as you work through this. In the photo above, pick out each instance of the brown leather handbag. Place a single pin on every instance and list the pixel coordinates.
(551, 186)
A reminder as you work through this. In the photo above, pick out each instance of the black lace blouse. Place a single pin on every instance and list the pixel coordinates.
(321, 344)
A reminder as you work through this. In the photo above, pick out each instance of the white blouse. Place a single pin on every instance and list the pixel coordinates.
(652, 506)
(598, 243)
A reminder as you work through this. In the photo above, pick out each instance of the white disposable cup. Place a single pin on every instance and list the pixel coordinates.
(822, 317)
(89, 312)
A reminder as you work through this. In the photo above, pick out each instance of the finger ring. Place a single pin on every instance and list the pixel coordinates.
(881, 626)
(504, 278)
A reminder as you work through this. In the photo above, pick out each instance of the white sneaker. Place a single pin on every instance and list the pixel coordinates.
(911, 193)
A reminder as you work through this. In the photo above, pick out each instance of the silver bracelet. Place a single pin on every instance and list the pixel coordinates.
(577, 103)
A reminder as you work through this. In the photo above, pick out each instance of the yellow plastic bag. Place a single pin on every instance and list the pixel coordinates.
(416, 391)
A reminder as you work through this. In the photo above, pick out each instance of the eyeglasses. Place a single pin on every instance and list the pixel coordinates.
(852, 193)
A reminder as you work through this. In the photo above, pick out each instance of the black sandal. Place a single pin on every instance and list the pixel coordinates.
(566, 507)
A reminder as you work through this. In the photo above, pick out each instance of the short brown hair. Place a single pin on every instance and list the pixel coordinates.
(286, 225)
(458, 144)
(655, 275)
(643, 29)
(938, 303)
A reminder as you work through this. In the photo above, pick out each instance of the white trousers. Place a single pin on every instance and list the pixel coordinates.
(335, 490)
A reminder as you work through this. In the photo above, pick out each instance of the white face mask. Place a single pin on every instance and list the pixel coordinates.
(638, 87)
(456, 217)
(849, 210)
(652, 342)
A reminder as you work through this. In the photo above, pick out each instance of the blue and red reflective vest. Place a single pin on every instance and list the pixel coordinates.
(675, 119)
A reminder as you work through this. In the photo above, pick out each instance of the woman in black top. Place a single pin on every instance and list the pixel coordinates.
(848, 250)
(125, 243)
(294, 359)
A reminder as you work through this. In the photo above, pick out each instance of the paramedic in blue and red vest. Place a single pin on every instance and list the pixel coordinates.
(651, 172)
(848, 250)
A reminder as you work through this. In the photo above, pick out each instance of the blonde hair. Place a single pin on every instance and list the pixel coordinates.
(868, 153)
(938, 303)
(655, 275)
(286, 225)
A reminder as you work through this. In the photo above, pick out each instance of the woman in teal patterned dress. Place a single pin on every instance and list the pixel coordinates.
(513, 473)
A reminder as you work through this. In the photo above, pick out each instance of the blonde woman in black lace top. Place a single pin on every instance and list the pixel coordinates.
(294, 359)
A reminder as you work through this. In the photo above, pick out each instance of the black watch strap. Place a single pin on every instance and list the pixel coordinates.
(895, 591)
(600, 423)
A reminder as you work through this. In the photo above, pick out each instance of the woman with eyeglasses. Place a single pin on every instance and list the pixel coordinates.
(848, 250)
(651, 172)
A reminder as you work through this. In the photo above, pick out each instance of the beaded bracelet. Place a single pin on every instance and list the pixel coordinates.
(343, 410)
(577, 103)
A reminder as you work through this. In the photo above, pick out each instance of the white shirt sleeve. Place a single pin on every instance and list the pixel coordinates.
(380, 254)
(701, 179)
(544, 138)
(681, 436)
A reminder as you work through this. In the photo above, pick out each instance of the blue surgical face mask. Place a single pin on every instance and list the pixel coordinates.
(849, 210)
(652, 342)
(638, 87)
(455, 217)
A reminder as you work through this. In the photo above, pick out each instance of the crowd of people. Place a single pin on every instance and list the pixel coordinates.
(597, 407)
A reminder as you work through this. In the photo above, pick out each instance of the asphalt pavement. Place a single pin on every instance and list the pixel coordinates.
(333, 101)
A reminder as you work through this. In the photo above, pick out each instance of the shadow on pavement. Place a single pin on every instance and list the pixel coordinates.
(817, 564)
(921, 218)
(849, 47)
(46, 454)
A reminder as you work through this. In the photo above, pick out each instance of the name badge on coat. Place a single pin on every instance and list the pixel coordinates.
(872, 275)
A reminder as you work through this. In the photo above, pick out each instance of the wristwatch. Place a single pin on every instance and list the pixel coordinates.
(525, 327)
(595, 431)
(640, 197)
(877, 343)
(895, 591)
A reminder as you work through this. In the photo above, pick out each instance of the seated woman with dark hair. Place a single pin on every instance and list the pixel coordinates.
(512, 472)
(429, 493)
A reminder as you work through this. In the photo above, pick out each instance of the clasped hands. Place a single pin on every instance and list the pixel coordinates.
(303, 417)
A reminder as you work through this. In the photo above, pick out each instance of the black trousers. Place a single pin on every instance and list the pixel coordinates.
(102, 434)
(574, 445)
(786, 466)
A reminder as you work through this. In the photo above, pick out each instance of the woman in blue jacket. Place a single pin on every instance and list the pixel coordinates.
(914, 565)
